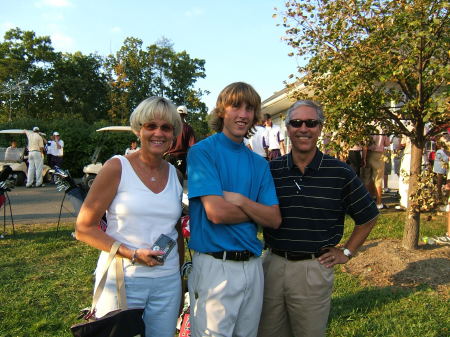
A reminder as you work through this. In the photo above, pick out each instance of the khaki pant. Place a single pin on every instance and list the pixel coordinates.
(297, 296)
(226, 297)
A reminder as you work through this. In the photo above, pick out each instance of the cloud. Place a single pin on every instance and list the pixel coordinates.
(194, 12)
(53, 3)
(62, 42)
(116, 29)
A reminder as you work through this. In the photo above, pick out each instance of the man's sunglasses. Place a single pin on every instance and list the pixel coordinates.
(153, 126)
(310, 123)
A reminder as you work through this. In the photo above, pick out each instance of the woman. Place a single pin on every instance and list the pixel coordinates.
(142, 196)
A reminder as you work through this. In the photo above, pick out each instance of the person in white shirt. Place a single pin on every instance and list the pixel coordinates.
(256, 141)
(440, 165)
(35, 157)
(142, 196)
(12, 152)
(56, 150)
(273, 139)
(133, 148)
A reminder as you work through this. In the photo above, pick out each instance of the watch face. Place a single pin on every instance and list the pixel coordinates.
(347, 252)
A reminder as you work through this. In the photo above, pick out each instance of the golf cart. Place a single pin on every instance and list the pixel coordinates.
(91, 170)
(15, 158)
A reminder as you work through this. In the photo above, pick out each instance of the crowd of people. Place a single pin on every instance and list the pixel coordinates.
(242, 179)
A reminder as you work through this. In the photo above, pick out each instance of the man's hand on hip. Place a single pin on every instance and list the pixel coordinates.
(332, 257)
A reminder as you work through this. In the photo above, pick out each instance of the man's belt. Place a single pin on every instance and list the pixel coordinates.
(294, 256)
(240, 255)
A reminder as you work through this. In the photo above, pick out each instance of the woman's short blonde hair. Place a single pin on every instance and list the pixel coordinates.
(235, 94)
(155, 108)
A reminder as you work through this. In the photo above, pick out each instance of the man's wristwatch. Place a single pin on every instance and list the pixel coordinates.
(347, 252)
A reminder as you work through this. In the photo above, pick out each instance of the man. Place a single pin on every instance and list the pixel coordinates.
(177, 153)
(354, 159)
(315, 191)
(373, 167)
(48, 150)
(35, 157)
(273, 139)
(256, 141)
(387, 166)
(56, 150)
(231, 192)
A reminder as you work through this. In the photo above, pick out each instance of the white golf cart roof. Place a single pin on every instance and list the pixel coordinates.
(115, 128)
(18, 131)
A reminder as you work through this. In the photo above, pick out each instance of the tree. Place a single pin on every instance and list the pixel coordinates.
(158, 70)
(376, 63)
(79, 87)
(26, 57)
(58, 84)
(37, 82)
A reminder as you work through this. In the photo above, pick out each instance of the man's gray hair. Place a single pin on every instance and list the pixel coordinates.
(305, 102)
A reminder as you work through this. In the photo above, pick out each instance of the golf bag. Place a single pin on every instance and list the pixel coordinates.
(74, 192)
(6, 183)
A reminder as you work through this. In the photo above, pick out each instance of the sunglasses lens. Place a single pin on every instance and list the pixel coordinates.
(150, 126)
(154, 126)
(310, 123)
(296, 123)
(166, 127)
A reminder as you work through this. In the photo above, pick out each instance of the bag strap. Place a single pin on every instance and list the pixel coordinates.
(98, 291)
(120, 284)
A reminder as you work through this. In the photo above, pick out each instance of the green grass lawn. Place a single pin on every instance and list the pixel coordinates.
(46, 279)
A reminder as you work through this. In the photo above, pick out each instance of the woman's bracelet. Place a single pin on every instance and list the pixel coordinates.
(133, 257)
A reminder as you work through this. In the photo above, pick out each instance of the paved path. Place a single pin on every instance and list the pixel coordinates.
(37, 205)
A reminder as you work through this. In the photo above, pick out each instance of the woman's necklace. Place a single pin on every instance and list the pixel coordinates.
(153, 177)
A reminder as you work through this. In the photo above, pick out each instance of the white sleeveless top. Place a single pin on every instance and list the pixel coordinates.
(137, 217)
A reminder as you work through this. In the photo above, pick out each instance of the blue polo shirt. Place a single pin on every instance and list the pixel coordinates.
(218, 164)
(313, 204)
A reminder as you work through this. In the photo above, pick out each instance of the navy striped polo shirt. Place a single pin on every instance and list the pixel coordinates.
(314, 204)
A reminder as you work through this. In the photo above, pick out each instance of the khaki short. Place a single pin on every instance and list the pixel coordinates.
(374, 170)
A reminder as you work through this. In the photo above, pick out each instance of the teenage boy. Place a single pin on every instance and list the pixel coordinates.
(231, 192)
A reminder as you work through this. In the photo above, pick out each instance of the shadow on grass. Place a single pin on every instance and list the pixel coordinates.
(433, 272)
(347, 307)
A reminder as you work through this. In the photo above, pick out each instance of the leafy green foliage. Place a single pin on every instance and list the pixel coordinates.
(157, 70)
(371, 60)
(80, 87)
(91, 88)
(375, 65)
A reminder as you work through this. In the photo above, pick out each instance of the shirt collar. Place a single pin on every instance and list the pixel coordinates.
(314, 164)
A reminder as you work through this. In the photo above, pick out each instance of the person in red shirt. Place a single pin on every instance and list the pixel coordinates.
(178, 152)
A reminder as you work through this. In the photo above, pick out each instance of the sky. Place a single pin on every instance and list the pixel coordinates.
(238, 39)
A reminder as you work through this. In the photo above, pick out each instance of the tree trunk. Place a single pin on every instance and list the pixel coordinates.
(412, 221)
